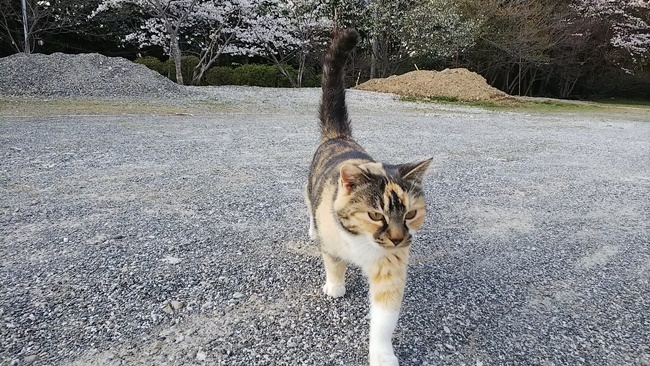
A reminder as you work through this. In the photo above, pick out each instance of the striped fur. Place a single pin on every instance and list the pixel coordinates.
(361, 211)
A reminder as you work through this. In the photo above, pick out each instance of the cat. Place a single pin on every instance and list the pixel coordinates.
(361, 211)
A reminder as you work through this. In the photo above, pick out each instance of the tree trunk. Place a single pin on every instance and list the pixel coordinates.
(301, 69)
(373, 55)
(27, 47)
(176, 55)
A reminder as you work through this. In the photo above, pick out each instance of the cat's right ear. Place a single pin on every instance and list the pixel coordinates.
(414, 172)
(351, 177)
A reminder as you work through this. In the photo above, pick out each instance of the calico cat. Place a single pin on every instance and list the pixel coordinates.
(361, 211)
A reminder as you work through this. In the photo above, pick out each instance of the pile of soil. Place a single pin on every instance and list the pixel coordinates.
(460, 84)
(82, 75)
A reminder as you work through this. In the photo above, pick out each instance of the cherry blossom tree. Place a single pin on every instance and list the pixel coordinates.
(217, 26)
(284, 31)
(162, 24)
(311, 29)
(628, 21)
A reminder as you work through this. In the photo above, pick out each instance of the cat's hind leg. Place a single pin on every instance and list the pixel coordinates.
(334, 275)
(313, 234)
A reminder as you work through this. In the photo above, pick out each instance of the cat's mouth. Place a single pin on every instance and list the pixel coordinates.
(388, 244)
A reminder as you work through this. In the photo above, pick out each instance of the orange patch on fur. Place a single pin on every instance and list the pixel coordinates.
(388, 298)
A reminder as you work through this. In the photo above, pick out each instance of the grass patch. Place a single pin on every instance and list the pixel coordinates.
(513, 104)
(19, 107)
(624, 102)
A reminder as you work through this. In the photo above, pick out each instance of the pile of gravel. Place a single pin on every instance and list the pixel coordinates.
(82, 75)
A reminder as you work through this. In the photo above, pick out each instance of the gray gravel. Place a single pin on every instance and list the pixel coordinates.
(82, 75)
(140, 240)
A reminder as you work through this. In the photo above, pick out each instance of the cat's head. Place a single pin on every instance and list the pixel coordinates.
(384, 203)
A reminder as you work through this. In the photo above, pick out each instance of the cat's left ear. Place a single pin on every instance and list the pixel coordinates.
(414, 172)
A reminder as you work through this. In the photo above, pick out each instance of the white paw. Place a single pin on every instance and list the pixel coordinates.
(383, 358)
(334, 290)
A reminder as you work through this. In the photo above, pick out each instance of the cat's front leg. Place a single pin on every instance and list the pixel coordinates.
(387, 281)
(334, 275)
(382, 326)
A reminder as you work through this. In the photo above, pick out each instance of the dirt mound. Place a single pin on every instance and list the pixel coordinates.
(83, 75)
(460, 84)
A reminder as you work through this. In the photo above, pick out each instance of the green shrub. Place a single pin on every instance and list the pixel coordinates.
(220, 75)
(256, 75)
(152, 63)
(188, 63)
(311, 80)
(262, 75)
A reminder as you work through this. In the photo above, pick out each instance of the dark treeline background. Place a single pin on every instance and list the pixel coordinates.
(552, 48)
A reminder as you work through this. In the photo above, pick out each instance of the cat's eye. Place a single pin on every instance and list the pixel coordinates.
(411, 214)
(375, 216)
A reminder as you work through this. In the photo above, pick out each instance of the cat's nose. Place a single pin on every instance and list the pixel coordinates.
(396, 239)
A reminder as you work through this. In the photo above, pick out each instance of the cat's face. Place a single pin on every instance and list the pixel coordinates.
(384, 203)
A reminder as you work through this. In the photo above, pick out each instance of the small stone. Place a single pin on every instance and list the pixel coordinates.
(446, 329)
(201, 356)
(291, 344)
(179, 339)
(171, 260)
(31, 359)
(117, 237)
(177, 305)
(237, 295)
(168, 309)
(65, 240)
(449, 346)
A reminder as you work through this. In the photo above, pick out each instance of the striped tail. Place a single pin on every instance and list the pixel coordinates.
(334, 122)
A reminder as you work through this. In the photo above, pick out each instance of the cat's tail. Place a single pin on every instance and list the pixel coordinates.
(334, 122)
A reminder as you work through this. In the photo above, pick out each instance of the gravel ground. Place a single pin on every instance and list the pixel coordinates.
(180, 239)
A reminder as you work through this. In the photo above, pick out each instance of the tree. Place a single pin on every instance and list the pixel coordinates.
(388, 51)
(272, 36)
(162, 22)
(513, 42)
(628, 22)
(437, 30)
(215, 28)
(310, 27)
(43, 17)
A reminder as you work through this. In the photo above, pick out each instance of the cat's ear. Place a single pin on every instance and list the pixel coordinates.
(352, 176)
(414, 172)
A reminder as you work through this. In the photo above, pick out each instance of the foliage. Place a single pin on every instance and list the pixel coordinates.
(253, 75)
(153, 63)
(43, 18)
(262, 75)
(562, 48)
(188, 64)
(628, 21)
(220, 75)
(436, 29)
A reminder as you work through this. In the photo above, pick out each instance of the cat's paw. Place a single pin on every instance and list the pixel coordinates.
(334, 290)
(383, 358)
